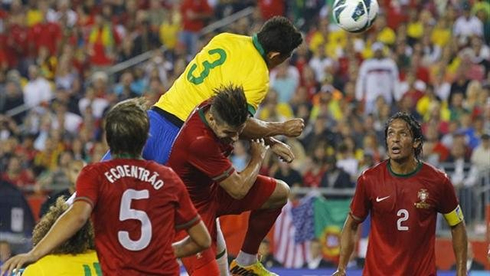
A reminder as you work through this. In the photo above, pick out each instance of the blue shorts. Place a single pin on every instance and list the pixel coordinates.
(160, 141)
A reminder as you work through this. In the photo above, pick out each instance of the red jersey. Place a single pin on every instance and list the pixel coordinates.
(403, 217)
(137, 207)
(200, 158)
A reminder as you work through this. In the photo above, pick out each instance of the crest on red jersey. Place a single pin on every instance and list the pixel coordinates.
(423, 195)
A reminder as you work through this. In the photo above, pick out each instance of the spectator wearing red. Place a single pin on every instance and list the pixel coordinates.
(194, 16)
(270, 8)
(102, 41)
(17, 175)
(44, 33)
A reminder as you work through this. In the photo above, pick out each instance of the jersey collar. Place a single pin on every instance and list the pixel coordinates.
(258, 46)
(417, 169)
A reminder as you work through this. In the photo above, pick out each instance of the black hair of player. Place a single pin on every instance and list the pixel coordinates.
(229, 105)
(278, 34)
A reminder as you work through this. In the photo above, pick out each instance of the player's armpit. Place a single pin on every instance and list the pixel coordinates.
(454, 217)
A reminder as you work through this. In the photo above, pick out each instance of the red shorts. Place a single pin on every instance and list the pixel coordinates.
(224, 204)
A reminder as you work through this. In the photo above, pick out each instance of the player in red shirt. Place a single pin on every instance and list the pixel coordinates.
(403, 196)
(200, 157)
(136, 206)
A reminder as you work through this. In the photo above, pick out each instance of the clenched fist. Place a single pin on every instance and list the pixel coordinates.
(294, 127)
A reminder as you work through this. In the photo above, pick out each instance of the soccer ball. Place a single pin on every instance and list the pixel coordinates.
(355, 16)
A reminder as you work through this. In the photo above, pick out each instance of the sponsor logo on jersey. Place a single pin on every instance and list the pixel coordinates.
(423, 195)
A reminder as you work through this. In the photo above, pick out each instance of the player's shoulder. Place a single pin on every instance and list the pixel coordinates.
(432, 172)
(375, 170)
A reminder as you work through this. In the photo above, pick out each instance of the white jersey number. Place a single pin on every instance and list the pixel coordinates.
(403, 214)
(126, 213)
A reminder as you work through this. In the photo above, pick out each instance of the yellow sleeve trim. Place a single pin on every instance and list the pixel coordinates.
(454, 217)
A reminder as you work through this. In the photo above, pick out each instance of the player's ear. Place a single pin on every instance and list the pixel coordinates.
(416, 142)
(272, 55)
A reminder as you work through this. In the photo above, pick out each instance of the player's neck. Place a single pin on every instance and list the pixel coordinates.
(126, 156)
(405, 167)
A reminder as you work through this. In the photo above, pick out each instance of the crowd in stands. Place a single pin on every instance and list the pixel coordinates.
(429, 58)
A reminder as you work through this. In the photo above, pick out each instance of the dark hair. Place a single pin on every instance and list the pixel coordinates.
(415, 128)
(278, 34)
(127, 126)
(79, 243)
(229, 105)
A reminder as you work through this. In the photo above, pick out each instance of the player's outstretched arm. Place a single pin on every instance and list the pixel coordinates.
(198, 240)
(237, 185)
(63, 229)
(347, 242)
(460, 247)
(256, 128)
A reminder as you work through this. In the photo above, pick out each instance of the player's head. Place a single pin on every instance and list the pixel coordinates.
(403, 137)
(80, 242)
(278, 38)
(228, 112)
(127, 126)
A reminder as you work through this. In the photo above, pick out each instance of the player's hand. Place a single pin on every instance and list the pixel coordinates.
(17, 262)
(294, 127)
(258, 147)
(339, 272)
(283, 151)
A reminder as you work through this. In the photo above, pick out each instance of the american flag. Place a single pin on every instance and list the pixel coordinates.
(286, 250)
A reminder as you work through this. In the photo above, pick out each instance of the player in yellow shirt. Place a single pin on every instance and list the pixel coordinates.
(76, 257)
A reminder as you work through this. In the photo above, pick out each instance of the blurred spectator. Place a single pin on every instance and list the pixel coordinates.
(240, 156)
(194, 15)
(467, 25)
(70, 175)
(335, 177)
(316, 260)
(480, 156)
(285, 172)
(102, 42)
(16, 219)
(11, 99)
(22, 178)
(377, 76)
(37, 90)
(98, 105)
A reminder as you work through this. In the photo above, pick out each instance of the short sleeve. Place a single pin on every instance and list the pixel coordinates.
(207, 157)
(87, 185)
(186, 214)
(448, 202)
(360, 204)
(255, 97)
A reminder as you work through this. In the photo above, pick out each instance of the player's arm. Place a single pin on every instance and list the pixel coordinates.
(198, 240)
(63, 229)
(460, 247)
(460, 239)
(347, 243)
(256, 128)
(237, 184)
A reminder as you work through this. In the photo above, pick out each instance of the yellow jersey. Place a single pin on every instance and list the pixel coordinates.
(86, 264)
(226, 59)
